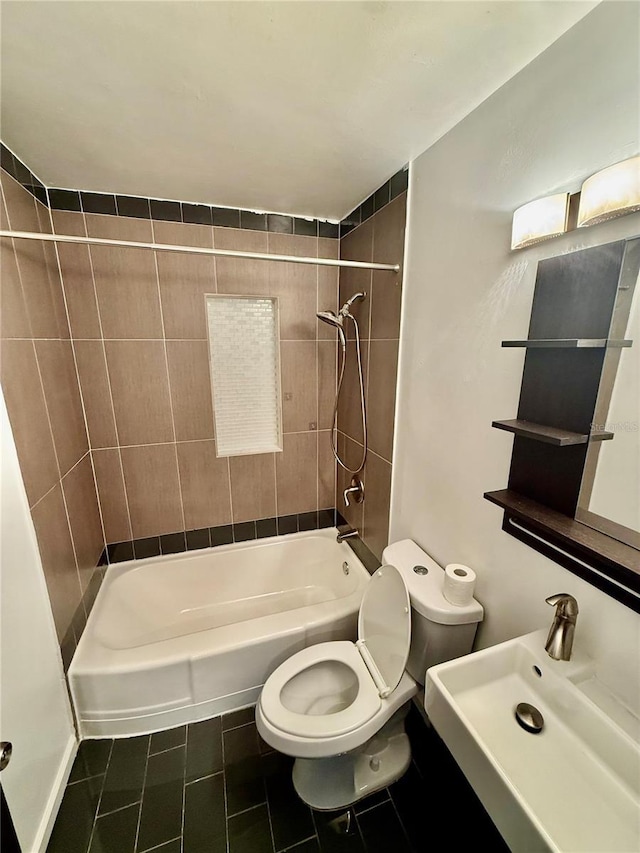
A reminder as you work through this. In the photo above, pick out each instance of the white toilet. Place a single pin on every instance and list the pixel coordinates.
(339, 707)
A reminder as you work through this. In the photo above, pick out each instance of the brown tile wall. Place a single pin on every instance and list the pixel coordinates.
(379, 239)
(138, 326)
(41, 389)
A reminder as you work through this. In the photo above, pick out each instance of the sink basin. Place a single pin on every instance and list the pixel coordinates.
(575, 785)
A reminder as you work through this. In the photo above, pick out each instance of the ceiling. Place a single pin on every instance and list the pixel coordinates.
(293, 107)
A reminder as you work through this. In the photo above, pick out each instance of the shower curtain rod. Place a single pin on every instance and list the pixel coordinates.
(197, 250)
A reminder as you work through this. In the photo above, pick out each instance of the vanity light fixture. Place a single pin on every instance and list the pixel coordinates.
(611, 192)
(539, 220)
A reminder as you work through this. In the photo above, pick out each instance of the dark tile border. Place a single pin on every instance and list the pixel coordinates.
(210, 537)
(161, 210)
(22, 174)
(391, 189)
(64, 200)
(140, 207)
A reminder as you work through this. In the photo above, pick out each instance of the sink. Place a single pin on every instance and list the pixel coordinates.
(575, 785)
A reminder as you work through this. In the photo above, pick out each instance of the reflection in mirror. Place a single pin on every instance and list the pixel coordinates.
(610, 493)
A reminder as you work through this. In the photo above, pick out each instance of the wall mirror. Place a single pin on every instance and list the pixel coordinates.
(609, 498)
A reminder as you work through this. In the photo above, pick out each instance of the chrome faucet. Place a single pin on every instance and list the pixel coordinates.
(355, 491)
(346, 534)
(560, 639)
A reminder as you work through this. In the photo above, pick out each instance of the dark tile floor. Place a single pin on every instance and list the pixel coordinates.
(216, 787)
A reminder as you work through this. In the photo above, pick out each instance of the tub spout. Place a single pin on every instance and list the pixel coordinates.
(346, 534)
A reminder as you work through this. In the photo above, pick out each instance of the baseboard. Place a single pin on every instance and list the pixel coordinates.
(57, 792)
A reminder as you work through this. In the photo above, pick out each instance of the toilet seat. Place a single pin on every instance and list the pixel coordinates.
(364, 706)
(307, 700)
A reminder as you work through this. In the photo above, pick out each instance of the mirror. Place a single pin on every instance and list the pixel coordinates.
(610, 492)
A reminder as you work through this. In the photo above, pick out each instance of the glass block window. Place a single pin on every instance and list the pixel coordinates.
(245, 374)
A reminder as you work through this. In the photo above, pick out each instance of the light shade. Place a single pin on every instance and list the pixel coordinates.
(610, 193)
(540, 220)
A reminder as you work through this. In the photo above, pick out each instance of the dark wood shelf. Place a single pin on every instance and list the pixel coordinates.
(548, 434)
(616, 560)
(568, 343)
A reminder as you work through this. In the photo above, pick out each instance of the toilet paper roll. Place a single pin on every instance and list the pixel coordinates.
(459, 583)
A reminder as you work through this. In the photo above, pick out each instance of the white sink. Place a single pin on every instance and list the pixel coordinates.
(575, 786)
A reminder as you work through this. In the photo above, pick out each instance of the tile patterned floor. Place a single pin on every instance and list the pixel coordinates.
(216, 787)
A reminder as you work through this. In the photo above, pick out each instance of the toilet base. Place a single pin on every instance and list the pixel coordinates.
(340, 781)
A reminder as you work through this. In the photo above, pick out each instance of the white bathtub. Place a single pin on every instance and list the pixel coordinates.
(181, 638)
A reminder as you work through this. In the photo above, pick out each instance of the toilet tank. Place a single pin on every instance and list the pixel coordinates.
(440, 630)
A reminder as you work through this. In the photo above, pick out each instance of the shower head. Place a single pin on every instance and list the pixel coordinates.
(344, 311)
(333, 320)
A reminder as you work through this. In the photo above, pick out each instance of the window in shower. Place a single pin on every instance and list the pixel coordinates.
(245, 374)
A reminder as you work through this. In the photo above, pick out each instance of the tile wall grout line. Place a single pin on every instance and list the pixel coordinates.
(166, 361)
(232, 522)
(32, 340)
(275, 485)
(48, 492)
(64, 499)
(275, 457)
(75, 464)
(355, 441)
(366, 393)
(391, 200)
(113, 408)
(84, 417)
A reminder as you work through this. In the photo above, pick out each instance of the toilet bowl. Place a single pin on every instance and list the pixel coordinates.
(339, 707)
(324, 701)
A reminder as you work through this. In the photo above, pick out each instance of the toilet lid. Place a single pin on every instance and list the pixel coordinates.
(384, 623)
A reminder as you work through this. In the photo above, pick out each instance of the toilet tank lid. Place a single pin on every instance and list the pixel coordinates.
(425, 590)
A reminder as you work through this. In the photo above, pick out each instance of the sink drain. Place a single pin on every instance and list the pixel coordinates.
(529, 718)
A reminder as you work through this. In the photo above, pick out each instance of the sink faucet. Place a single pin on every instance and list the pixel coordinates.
(560, 639)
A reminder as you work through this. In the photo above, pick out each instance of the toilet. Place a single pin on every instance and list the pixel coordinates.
(339, 707)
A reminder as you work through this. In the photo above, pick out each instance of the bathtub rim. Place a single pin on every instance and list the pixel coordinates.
(139, 658)
(191, 649)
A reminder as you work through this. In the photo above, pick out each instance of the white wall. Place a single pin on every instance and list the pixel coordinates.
(571, 112)
(35, 714)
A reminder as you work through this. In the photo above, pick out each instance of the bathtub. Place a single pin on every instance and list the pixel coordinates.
(181, 638)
